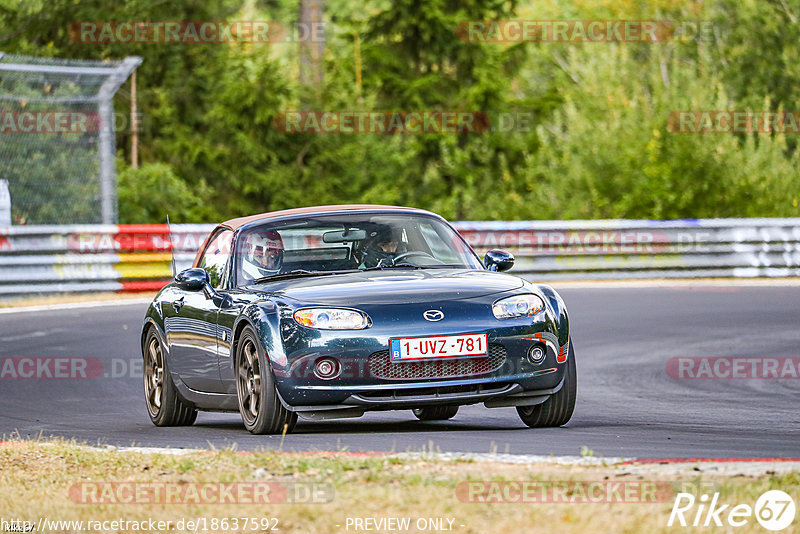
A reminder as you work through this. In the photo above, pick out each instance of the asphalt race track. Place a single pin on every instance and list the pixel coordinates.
(627, 403)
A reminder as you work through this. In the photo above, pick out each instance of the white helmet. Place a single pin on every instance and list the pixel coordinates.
(263, 254)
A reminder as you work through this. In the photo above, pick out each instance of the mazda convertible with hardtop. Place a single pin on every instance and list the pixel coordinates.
(333, 311)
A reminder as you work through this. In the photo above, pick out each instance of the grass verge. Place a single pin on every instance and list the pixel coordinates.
(58, 480)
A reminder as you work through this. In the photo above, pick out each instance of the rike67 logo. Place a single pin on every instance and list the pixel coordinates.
(774, 510)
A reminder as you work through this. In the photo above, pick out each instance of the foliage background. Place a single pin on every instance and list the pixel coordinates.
(597, 147)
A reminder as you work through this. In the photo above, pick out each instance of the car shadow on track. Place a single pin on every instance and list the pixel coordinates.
(373, 427)
(369, 427)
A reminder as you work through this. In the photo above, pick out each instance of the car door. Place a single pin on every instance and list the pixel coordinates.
(191, 324)
(226, 319)
(227, 316)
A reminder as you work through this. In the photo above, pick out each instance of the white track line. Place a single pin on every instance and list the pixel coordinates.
(669, 283)
(76, 305)
(513, 458)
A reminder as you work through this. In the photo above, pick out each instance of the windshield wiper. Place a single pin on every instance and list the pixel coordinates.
(387, 267)
(299, 273)
(296, 273)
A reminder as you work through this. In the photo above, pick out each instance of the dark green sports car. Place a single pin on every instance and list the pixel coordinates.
(331, 311)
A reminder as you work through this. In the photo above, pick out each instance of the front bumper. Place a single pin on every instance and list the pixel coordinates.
(494, 395)
(506, 373)
(369, 380)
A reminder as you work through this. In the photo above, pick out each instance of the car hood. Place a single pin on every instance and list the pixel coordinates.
(392, 287)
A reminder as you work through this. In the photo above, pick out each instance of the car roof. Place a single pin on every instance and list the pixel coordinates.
(234, 224)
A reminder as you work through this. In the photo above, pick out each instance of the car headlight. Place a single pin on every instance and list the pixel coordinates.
(332, 318)
(517, 306)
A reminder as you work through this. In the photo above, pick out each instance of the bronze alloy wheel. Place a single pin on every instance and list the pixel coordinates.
(249, 382)
(153, 376)
(259, 405)
(164, 405)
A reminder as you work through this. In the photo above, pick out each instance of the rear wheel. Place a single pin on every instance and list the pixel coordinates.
(435, 413)
(163, 404)
(557, 410)
(259, 405)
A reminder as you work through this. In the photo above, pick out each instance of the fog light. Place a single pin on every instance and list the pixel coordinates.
(326, 368)
(536, 354)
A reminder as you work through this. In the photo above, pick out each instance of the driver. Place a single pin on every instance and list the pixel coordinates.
(385, 245)
(264, 256)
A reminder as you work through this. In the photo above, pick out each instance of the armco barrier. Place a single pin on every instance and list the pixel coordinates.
(67, 259)
(56, 259)
(615, 249)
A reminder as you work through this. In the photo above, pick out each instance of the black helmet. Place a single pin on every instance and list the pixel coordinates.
(386, 234)
(378, 250)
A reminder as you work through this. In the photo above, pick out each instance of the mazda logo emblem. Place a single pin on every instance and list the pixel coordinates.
(433, 315)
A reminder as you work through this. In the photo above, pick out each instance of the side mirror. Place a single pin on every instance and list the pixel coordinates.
(193, 279)
(498, 260)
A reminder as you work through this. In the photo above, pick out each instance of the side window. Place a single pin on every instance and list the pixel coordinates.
(215, 257)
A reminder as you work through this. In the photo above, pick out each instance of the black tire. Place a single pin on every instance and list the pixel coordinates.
(435, 413)
(259, 405)
(164, 406)
(558, 409)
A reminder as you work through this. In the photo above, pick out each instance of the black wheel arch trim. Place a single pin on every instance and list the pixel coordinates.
(257, 318)
(149, 323)
(559, 311)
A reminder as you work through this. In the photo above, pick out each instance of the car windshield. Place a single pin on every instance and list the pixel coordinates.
(334, 243)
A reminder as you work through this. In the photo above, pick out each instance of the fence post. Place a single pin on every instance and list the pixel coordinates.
(5, 204)
(108, 165)
(74, 179)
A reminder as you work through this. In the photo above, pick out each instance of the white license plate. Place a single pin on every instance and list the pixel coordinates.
(418, 348)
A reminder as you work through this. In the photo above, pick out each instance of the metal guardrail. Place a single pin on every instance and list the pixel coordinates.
(58, 259)
(86, 258)
(617, 249)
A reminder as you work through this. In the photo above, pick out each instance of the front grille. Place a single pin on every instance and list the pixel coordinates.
(381, 366)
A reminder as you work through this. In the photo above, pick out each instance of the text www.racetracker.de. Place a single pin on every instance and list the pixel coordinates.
(198, 524)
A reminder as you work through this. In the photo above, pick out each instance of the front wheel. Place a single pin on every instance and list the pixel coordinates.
(436, 413)
(259, 405)
(557, 410)
(164, 406)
